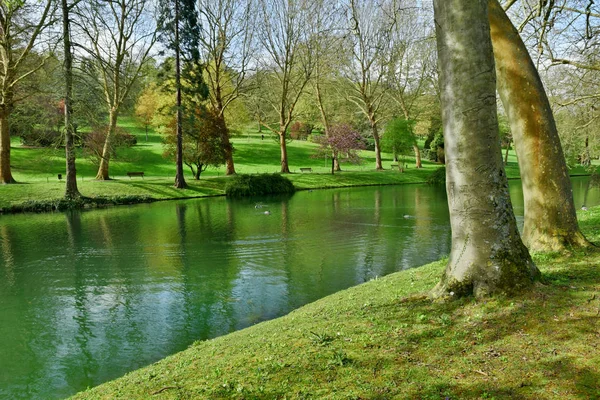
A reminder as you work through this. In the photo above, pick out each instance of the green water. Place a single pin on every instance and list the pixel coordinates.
(86, 297)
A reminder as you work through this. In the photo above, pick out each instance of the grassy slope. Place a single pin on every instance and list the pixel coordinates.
(384, 339)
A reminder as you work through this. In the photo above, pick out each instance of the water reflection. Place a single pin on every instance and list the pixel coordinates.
(86, 297)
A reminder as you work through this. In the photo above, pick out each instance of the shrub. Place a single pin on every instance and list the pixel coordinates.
(438, 177)
(93, 143)
(258, 185)
(40, 138)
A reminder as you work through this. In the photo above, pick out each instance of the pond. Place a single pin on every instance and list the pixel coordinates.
(88, 296)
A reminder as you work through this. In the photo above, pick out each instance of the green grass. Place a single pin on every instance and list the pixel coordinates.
(385, 339)
(36, 170)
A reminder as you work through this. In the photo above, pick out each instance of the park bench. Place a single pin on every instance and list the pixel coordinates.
(137, 173)
(398, 166)
(305, 169)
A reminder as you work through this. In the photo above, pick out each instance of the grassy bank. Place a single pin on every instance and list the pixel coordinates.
(385, 339)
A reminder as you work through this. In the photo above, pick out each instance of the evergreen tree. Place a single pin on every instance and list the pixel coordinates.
(178, 23)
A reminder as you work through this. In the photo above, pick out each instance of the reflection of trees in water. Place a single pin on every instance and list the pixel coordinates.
(7, 255)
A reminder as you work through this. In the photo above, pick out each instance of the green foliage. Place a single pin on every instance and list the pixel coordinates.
(258, 185)
(438, 177)
(204, 141)
(399, 136)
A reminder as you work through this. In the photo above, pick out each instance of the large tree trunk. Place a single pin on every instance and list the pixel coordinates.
(102, 174)
(285, 169)
(487, 254)
(5, 174)
(71, 190)
(550, 219)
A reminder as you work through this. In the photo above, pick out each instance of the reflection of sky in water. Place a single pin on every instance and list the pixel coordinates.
(86, 297)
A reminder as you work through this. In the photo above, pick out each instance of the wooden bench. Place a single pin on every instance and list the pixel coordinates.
(136, 173)
(305, 169)
(400, 167)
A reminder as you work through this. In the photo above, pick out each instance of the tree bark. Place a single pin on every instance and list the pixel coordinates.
(71, 190)
(5, 172)
(285, 169)
(102, 174)
(487, 254)
(550, 218)
(375, 132)
(418, 163)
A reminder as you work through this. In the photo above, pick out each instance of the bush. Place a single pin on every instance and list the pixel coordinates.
(438, 177)
(40, 138)
(258, 185)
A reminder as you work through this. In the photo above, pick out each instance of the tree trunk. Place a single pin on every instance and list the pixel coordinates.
(5, 174)
(102, 174)
(506, 153)
(229, 164)
(179, 178)
(71, 190)
(550, 218)
(418, 163)
(487, 254)
(374, 131)
(285, 169)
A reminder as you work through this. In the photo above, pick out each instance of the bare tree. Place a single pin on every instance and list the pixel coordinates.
(370, 29)
(487, 254)
(21, 24)
(287, 55)
(226, 39)
(326, 46)
(119, 35)
(412, 61)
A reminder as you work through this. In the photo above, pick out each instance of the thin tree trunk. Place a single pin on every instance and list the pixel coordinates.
(374, 131)
(71, 190)
(102, 174)
(506, 153)
(229, 164)
(285, 169)
(179, 177)
(550, 218)
(325, 121)
(487, 254)
(5, 173)
(418, 162)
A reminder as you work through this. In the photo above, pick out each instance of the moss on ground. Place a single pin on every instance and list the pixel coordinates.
(385, 339)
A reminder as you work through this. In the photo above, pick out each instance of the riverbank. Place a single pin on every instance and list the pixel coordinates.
(385, 339)
(48, 196)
